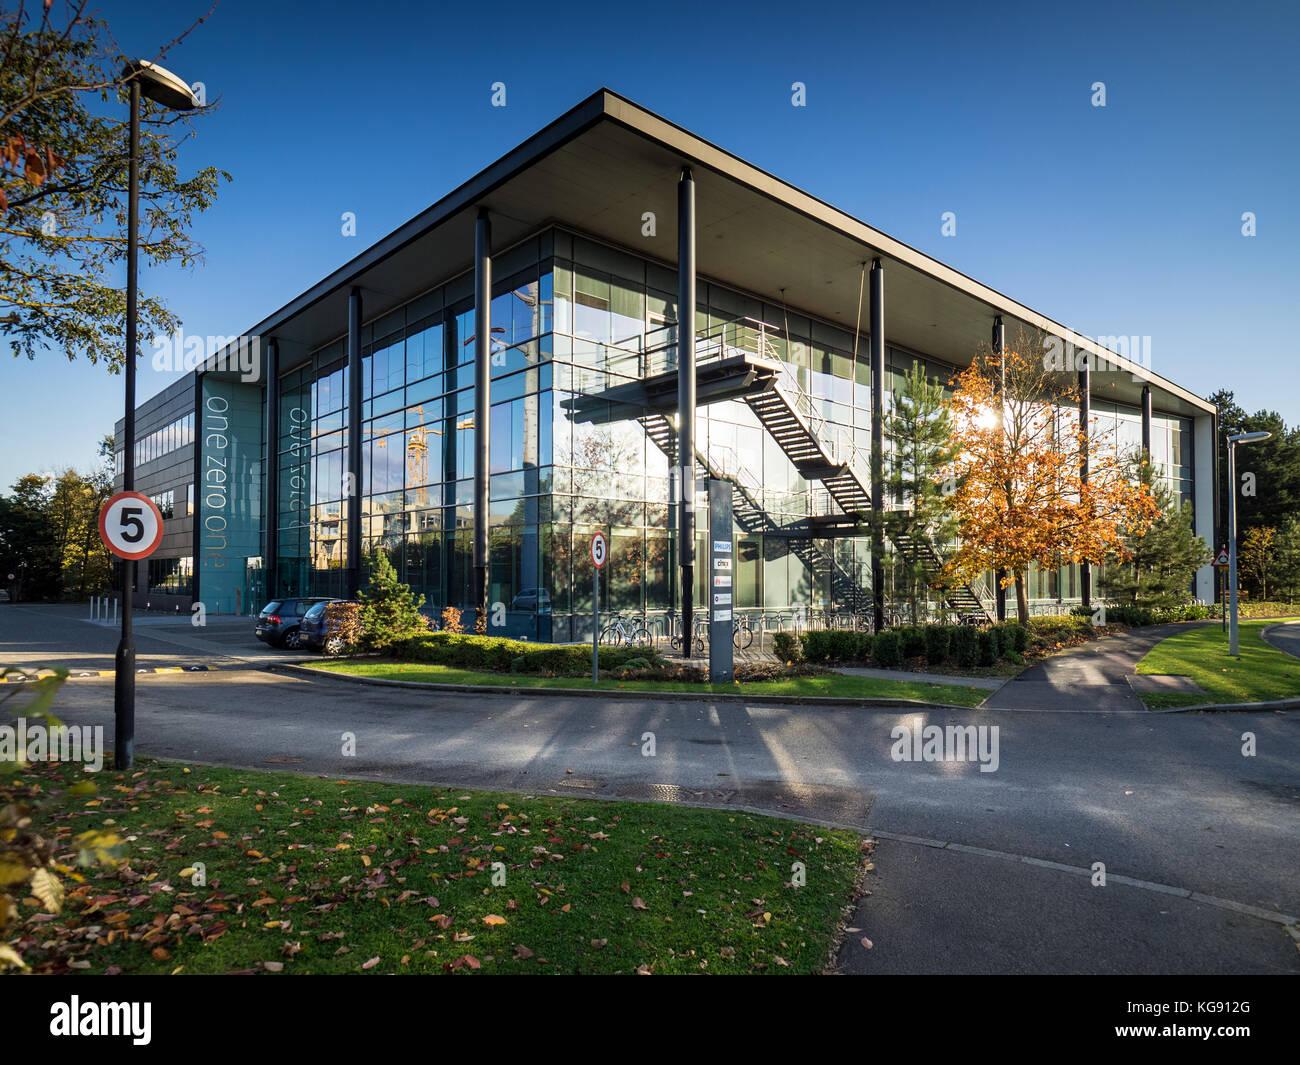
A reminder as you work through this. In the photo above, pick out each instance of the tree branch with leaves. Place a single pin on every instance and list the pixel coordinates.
(63, 187)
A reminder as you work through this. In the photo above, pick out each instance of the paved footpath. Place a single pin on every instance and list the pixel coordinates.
(1090, 678)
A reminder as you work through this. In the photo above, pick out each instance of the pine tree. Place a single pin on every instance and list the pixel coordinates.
(921, 432)
(1163, 558)
(390, 611)
(1258, 557)
(1287, 566)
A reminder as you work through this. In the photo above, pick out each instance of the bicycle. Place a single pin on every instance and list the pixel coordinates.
(625, 633)
(742, 635)
(701, 634)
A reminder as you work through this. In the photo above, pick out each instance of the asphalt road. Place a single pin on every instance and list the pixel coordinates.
(1285, 637)
(975, 872)
(61, 635)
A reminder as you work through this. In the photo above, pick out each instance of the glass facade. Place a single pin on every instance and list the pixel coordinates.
(572, 318)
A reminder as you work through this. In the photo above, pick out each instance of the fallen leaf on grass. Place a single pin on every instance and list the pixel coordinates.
(371, 963)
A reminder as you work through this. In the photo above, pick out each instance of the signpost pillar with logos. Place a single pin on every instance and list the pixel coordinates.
(599, 556)
(721, 582)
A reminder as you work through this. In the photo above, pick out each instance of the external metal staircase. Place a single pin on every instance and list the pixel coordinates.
(721, 463)
(821, 451)
(742, 361)
(961, 598)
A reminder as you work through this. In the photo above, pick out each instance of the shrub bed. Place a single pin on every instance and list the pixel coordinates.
(1135, 615)
(835, 645)
(966, 646)
(498, 654)
(887, 649)
(787, 647)
(935, 645)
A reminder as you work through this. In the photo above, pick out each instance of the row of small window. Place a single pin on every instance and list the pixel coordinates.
(166, 502)
(160, 442)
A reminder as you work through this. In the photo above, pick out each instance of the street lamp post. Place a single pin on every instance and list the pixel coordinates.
(165, 88)
(1233, 441)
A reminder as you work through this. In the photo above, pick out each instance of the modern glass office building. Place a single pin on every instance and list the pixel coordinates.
(484, 389)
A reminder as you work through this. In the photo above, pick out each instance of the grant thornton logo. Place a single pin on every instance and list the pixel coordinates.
(102, 1018)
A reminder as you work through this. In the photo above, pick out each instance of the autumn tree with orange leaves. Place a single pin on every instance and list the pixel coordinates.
(1018, 492)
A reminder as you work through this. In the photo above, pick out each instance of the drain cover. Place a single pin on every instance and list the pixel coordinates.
(585, 785)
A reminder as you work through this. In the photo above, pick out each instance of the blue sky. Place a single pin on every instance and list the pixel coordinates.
(1122, 220)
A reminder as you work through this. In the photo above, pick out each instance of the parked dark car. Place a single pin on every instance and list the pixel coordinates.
(538, 599)
(280, 621)
(315, 633)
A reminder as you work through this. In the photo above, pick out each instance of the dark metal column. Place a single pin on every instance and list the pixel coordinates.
(1000, 349)
(482, 404)
(354, 488)
(686, 398)
(124, 659)
(1146, 420)
(877, 326)
(271, 482)
(1085, 419)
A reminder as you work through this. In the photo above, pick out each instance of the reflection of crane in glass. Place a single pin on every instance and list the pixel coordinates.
(417, 460)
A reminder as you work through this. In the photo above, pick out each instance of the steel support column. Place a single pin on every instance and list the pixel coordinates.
(877, 326)
(1085, 428)
(1146, 420)
(482, 405)
(271, 498)
(352, 490)
(686, 399)
(1000, 349)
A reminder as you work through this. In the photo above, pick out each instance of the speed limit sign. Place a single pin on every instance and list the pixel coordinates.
(599, 550)
(131, 526)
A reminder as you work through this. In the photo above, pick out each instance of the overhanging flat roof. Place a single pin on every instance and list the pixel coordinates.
(600, 166)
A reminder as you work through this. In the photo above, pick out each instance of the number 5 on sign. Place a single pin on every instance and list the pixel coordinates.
(131, 526)
(599, 550)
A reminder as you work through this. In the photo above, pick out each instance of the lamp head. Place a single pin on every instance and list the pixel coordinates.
(160, 85)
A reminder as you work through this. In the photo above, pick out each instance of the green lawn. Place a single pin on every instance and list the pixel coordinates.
(307, 875)
(1260, 674)
(837, 685)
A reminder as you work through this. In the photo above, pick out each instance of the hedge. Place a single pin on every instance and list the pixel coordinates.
(787, 647)
(887, 649)
(835, 645)
(938, 641)
(966, 646)
(1136, 615)
(574, 659)
(497, 654)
